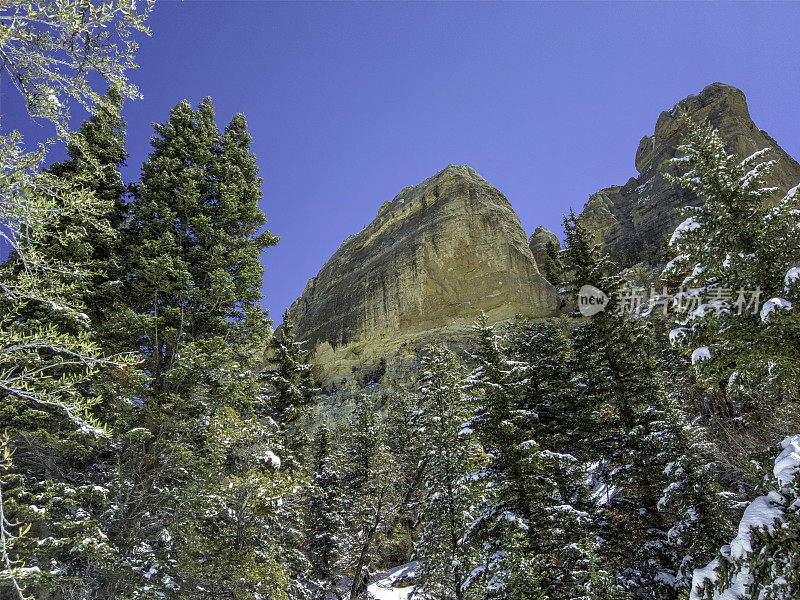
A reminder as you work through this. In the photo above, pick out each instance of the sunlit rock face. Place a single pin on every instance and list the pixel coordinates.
(430, 262)
(633, 221)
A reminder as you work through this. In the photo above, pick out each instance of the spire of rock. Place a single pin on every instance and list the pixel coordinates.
(633, 221)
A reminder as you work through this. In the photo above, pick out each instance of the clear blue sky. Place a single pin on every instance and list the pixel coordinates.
(350, 102)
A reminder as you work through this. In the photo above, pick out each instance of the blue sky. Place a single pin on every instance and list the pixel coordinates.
(350, 102)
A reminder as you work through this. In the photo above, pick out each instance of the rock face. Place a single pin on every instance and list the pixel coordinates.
(538, 241)
(633, 221)
(432, 260)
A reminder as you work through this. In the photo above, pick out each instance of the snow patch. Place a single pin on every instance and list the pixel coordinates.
(700, 354)
(792, 275)
(771, 305)
(688, 225)
(788, 462)
(383, 588)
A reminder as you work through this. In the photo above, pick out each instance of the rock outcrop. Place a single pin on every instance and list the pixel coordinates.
(538, 242)
(434, 258)
(633, 221)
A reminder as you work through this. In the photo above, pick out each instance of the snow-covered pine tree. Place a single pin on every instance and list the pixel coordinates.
(370, 495)
(527, 532)
(451, 455)
(763, 560)
(324, 515)
(407, 448)
(698, 513)
(290, 383)
(575, 568)
(235, 499)
(635, 432)
(734, 262)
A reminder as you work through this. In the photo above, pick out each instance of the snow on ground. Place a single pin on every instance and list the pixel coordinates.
(383, 588)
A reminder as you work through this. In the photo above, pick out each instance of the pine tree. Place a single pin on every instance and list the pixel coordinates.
(57, 427)
(733, 254)
(763, 560)
(325, 523)
(451, 457)
(635, 431)
(193, 284)
(553, 269)
(289, 385)
(369, 492)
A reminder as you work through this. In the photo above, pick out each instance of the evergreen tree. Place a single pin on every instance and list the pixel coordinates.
(553, 269)
(289, 384)
(736, 260)
(451, 457)
(763, 560)
(57, 428)
(528, 532)
(324, 514)
(370, 494)
(635, 431)
(193, 285)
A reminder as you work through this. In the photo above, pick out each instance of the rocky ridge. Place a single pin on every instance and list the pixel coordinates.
(632, 222)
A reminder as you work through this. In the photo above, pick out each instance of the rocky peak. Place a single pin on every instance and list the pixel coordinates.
(633, 221)
(433, 258)
(538, 242)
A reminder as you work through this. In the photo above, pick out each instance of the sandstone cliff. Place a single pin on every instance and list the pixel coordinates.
(633, 221)
(433, 258)
(538, 242)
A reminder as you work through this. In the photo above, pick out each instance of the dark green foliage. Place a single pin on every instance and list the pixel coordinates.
(451, 457)
(552, 269)
(734, 242)
(193, 282)
(324, 514)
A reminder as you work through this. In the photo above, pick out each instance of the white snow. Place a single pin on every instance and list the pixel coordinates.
(676, 334)
(791, 193)
(792, 275)
(383, 588)
(760, 514)
(788, 462)
(756, 155)
(702, 353)
(771, 305)
(688, 225)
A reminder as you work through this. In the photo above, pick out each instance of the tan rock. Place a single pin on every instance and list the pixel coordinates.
(432, 260)
(538, 242)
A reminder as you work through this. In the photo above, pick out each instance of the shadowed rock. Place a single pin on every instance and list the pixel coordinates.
(633, 221)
